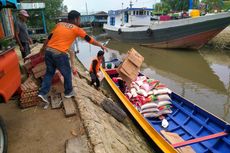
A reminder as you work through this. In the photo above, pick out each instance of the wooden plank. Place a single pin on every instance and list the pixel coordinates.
(69, 107)
(56, 100)
(175, 138)
(204, 138)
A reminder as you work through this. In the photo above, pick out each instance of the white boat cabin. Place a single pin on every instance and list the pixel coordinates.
(130, 17)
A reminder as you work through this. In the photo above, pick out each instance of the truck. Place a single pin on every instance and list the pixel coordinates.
(10, 76)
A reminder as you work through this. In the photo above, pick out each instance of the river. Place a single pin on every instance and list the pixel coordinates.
(202, 76)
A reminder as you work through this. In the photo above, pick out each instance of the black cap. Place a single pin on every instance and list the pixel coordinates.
(73, 15)
(100, 53)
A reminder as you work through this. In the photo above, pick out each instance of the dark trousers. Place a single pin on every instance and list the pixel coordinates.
(56, 61)
(26, 47)
(94, 79)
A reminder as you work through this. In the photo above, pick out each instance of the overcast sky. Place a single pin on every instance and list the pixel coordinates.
(105, 5)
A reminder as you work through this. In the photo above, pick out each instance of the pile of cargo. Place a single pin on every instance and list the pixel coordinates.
(34, 64)
(150, 97)
(29, 92)
(35, 67)
(130, 67)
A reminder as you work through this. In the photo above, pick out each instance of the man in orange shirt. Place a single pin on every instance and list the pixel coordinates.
(95, 67)
(56, 48)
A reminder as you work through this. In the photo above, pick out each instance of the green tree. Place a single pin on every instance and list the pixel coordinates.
(53, 9)
(226, 6)
(174, 5)
(212, 5)
(161, 8)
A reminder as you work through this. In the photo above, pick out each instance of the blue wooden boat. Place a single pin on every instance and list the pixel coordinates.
(190, 125)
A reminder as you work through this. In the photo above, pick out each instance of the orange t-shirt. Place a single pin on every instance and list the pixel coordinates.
(63, 36)
(97, 66)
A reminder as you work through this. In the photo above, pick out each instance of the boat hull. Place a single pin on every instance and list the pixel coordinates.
(188, 120)
(185, 34)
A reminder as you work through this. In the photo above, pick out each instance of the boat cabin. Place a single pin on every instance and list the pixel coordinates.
(130, 17)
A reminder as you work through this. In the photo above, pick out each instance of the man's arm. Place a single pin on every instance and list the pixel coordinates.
(84, 35)
(28, 37)
(72, 58)
(18, 41)
(76, 41)
(96, 43)
(17, 36)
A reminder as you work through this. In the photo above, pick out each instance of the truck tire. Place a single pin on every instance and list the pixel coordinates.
(3, 137)
(112, 108)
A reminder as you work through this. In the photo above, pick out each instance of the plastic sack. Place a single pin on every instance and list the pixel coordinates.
(166, 111)
(133, 92)
(149, 105)
(164, 107)
(128, 95)
(163, 97)
(163, 103)
(150, 115)
(149, 110)
(162, 91)
(142, 92)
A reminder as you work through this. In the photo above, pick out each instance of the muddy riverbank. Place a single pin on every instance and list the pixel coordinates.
(92, 128)
(222, 40)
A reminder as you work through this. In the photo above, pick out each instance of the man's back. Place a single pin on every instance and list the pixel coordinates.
(63, 36)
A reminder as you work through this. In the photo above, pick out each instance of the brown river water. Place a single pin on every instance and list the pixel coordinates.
(201, 76)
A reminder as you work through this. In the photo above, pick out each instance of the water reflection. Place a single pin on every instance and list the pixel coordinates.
(201, 76)
(219, 61)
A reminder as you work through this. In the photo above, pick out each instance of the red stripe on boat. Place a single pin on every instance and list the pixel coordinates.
(204, 138)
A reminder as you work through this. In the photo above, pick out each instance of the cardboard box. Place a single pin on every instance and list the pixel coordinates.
(135, 57)
(130, 68)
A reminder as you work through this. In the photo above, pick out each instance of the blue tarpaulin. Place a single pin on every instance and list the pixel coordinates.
(10, 3)
(3, 2)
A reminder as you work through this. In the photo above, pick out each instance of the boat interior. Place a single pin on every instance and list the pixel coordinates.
(189, 122)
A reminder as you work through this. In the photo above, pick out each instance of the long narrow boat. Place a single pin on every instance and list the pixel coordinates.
(196, 128)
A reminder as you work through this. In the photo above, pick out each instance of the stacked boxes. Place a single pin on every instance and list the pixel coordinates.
(130, 68)
(35, 65)
(36, 68)
(29, 94)
(32, 60)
